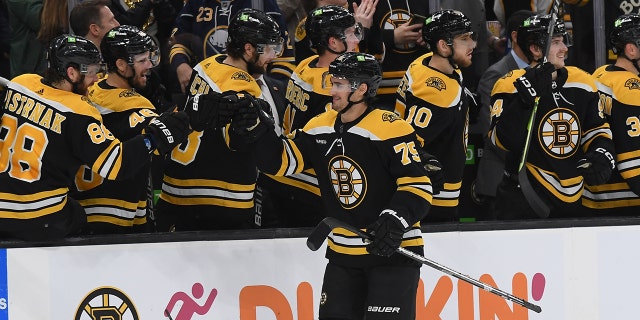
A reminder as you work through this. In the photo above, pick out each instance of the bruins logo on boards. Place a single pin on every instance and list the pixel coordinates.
(241, 76)
(559, 133)
(436, 83)
(632, 84)
(106, 303)
(348, 180)
(390, 116)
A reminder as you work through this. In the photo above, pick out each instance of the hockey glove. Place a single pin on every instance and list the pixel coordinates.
(434, 170)
(387, 233)
(251, 121)
(168, 130)
(212, 110)
(536, 82)
(596, 166)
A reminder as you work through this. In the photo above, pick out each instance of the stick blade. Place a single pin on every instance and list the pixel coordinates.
(319, 233)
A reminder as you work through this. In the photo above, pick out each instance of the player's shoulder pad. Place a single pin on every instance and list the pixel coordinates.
(619, 84)
(382, 125)
(301, 33)
(505, 83)
(578, 78)
(325, 119)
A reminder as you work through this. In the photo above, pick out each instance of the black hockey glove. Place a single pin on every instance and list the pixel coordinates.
(387, 233)
(252, 120)
(168, 130)
(212, 110)
(434, 170)
(596, 166)
(536, 82)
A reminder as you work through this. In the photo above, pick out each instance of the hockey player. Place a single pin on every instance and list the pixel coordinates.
(616, 85)
(49, 128)
(431, 97)
(570, 138)
(370, 175)
(206, 185)
(332, 31)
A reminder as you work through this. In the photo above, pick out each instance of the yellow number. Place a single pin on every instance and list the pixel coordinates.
(87, 179)
(22, 149)
(186, 153)
(496, 108)
(204, 14)
(421, 118)
(407, 149)
(604, 105)
(99, 133)
(634, 124)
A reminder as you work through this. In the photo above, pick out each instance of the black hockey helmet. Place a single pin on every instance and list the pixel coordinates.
(445, 25)
(68, 50)
(255, 27)
(534, 31)
(357, 68)
(124, 42)
(327, 21)
(626, 29)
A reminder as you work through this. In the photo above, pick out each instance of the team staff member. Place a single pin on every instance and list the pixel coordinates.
(431, 97)
(570, 138)
(370, 175)
(206, 185)
(332, 31)
(618, 86)
(49, 129)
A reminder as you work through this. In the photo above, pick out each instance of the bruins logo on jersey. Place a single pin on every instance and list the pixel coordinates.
(127, 94)
(632, 84)
(106, 303)
(507, 75)
(241, 76)
(390, 116)
(85, 99)
(436, 83)
(559, 133)
(348, 180)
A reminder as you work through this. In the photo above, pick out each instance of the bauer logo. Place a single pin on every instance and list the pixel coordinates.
(4, 292)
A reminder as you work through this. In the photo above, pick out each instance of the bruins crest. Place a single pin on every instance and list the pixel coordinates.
(507, 75)
(559, 133)
(436, 83)
(127, 94)
(241, 76)
(390, 116)
(632, 84)
(106, 303)
(348, 180)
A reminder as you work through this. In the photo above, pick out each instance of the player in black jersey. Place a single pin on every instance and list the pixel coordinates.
(570, 140)
(433, 99)
(617, 84)
(370, 175)
(49, 129)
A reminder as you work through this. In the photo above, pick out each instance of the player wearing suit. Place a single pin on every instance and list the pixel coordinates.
(48, 131)
(206, 184)
(120, 206)
(570, 138)
(619, 88)
(431, 97)
(370, 175)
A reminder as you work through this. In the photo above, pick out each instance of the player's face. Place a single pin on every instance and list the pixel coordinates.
(141, 68)
(340, 92)
(107, 21)
(88, 78)
(558, 52)
(463, 45)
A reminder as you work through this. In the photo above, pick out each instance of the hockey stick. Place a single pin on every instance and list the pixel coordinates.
(537, 204)
(324, 228)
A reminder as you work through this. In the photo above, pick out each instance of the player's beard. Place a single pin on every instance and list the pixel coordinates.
(254, 68)
(80, 87)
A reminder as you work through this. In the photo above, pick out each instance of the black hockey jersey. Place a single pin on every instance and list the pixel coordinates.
(363, 167)
(46, 134)
(568, 124)
(123, 203)
(619, 92)
(433, 103)
(204, 170)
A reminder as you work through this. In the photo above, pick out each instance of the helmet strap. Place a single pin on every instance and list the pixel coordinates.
(633, 61)
(129, 79)
(351, 103)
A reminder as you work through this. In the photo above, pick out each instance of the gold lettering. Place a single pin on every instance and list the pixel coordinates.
(28, 107)
(135, 119)
(56, 126)
(37, 112)
(45, 122)
(22, 101)
(14, 102)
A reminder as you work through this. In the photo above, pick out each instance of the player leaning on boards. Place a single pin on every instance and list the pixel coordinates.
(619, 88)
(370, 176)
(570, 138)
(49, 129)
